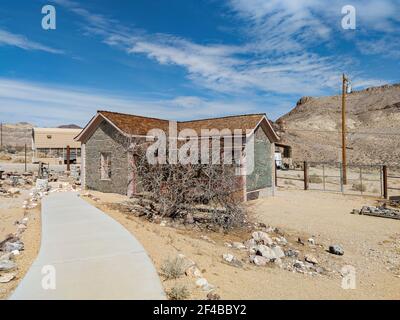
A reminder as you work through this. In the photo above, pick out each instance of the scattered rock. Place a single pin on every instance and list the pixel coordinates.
(207, 239)
(194, 272)
(11, 246)
(189, 219)
(250, 243)
(6, 256)
(7, 277)
(299, 265)
(355, 211)
(227, 244)
(15, 252)
(7, 265)
(259, 260)
(262, 237)
(282, 241)
(230, 258)
(238, 245)
(311, 241)
(21, 227)
(291, 253)
(213, 296)
(300, 241)
(201, 282)
(266, 252)
(278, 252)
(14, 191)
(336, 249)
(310, 258)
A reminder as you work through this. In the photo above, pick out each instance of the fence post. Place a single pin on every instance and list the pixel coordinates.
(305, 175)
(385, 182)
(341, 178)
(26, 169)
(68, 158)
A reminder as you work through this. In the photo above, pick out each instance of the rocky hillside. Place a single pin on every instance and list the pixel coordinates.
(16, 135)
(313, 127)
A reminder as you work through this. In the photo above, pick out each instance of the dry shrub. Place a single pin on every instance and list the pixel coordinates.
(178, 293)
(313, 178)
(173, 268)
(177, 190)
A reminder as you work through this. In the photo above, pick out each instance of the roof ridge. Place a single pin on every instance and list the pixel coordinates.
(131, 115)
(185, 121)
(226, 117)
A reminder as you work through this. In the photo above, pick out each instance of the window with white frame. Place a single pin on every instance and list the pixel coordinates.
(105, 166)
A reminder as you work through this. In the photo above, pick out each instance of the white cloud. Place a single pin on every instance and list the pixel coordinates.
(59, 105)
(16, 40)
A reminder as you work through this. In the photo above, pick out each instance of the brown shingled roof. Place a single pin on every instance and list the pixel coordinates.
(135, 125)
(139, 125)
(242, 122)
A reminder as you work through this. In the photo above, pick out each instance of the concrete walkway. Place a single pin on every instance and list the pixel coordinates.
(93, 256)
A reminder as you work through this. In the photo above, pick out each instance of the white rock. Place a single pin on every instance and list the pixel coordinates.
(262, 237)
(21, 227)
(7, 277)
(193, 271)
(259, 260)
(201, 282)
(278, 251)
(310, 258)
(15, 252)
(228, 257)
(14, 191)
(250, 243)
(266, 252)
(6, 256)
(311, 241)
(238, 245)
(11, 246)
(7, 265)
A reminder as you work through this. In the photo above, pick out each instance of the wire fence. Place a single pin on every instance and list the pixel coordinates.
(367, 180)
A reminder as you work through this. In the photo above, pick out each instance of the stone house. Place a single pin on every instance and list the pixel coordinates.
(106, 157)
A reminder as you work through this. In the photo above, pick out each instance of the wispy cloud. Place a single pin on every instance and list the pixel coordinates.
(51, 105)
(278, 56)
(22, 42)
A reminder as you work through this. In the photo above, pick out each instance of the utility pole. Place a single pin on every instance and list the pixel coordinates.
(344, 156)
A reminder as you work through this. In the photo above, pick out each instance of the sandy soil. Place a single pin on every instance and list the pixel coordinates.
(368, 242)
(10, 211)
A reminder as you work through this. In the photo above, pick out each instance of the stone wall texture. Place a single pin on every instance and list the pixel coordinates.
(108, 140)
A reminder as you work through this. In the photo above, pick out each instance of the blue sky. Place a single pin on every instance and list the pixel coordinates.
(187, 59)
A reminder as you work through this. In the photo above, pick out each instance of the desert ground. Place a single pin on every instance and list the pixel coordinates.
(371, 245)
(11, 211)
(309, 221)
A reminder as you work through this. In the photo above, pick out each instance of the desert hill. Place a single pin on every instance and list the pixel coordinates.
(313, 127)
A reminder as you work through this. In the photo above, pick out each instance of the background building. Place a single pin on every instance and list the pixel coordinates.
(49, 145)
